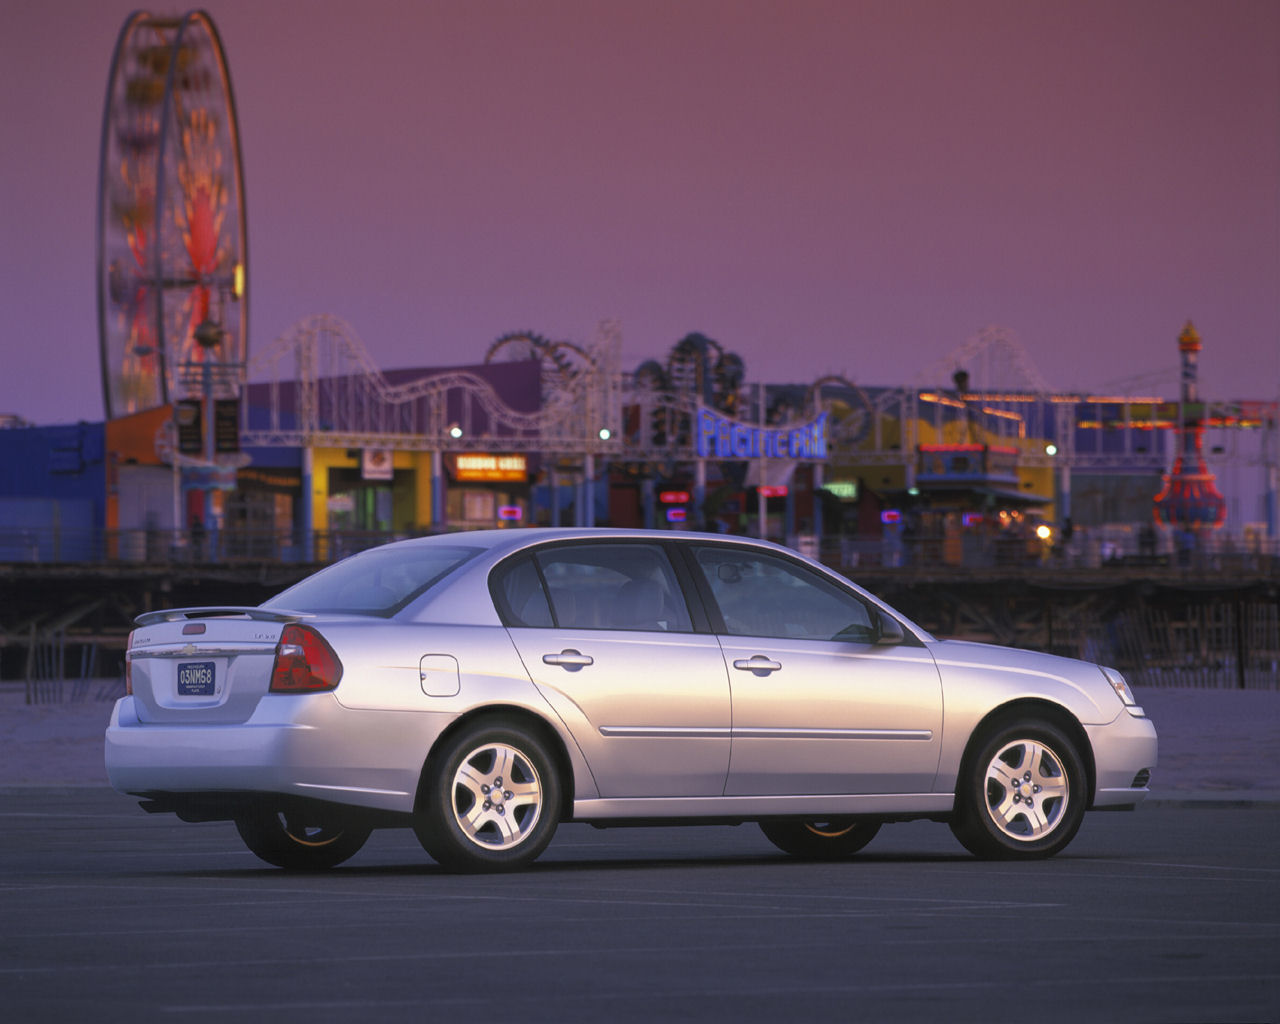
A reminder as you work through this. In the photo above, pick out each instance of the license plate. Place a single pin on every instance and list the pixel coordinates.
(195, 679)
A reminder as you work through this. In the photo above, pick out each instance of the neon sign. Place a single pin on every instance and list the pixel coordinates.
(722, 438)
(483, 466)
(845, 490)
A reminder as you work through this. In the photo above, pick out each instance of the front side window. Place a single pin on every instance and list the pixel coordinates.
(593, 586)
(761, 594)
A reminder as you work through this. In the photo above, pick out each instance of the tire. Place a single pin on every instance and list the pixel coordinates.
(1023, 793)
(828, 839)
(300, 842)
(492, 799)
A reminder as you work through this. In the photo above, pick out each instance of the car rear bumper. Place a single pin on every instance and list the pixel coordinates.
(297, 746)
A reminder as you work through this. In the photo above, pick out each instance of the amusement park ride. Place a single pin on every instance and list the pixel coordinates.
(1190, 501)
(171, 217)
(173, 324)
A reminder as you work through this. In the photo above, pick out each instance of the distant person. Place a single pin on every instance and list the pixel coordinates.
(1147, 542)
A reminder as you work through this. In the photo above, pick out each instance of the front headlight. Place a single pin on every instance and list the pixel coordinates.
(1119, 685)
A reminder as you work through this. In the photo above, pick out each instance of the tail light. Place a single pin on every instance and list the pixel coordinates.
(305, 663)
(128, 666)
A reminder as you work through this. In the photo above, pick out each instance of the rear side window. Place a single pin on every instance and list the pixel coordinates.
(519, 594)
(379, 581)
(593, 586)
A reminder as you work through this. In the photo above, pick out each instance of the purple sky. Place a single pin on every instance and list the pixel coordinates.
(843, 186)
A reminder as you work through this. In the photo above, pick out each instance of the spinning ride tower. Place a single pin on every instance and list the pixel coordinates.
(1190, 500)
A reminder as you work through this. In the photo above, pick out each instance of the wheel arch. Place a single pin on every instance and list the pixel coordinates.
(506, 713)
(1031, 707)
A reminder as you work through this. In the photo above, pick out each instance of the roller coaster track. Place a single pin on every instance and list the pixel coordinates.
(324, 388)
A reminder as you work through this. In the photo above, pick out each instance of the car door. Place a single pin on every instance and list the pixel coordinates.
(819, 707)
(606, 635)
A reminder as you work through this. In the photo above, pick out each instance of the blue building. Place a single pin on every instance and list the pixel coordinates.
(52, 492)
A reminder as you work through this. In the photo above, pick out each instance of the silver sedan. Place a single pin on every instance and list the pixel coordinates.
(481, 688)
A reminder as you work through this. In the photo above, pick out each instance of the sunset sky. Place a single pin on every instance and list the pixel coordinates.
(853, 187)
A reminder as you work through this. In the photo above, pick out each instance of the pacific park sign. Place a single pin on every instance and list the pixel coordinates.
(719, 437)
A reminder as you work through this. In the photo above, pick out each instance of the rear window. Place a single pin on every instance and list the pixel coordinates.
(379, 581)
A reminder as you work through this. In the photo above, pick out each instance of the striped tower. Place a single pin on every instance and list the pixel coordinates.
(1190, 500)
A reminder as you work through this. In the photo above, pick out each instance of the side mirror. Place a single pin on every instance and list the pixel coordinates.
(890, 630)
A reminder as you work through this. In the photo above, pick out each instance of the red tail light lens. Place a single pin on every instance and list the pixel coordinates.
(305, 663)
(128, 666)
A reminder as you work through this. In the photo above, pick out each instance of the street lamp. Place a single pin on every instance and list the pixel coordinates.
(208, 335)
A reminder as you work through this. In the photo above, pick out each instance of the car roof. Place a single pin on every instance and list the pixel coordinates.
(502, 542)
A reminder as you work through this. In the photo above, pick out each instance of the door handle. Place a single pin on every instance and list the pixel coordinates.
(569, 659)
(758, 665)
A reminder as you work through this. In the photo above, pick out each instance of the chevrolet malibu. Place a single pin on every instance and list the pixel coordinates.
(481, 688)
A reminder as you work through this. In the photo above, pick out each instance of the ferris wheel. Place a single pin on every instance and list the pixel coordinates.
(171, 217)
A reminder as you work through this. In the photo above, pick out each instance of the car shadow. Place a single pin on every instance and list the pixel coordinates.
(578, 866)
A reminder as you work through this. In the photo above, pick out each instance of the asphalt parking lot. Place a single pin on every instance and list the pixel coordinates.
(1165, 914)
(1170, 913)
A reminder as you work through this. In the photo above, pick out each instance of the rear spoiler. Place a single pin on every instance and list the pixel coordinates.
(228, 611)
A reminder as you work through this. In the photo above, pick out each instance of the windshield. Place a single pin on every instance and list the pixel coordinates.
(380, 581)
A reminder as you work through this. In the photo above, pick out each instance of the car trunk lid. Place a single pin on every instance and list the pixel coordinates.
(205, 665)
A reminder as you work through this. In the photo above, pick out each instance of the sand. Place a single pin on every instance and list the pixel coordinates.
(1214, 744)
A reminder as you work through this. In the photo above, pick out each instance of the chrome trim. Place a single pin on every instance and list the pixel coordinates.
(757, 663)
(199, 651)
(835, 734)
(767, 734)
(569, 658)
(659, 731)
